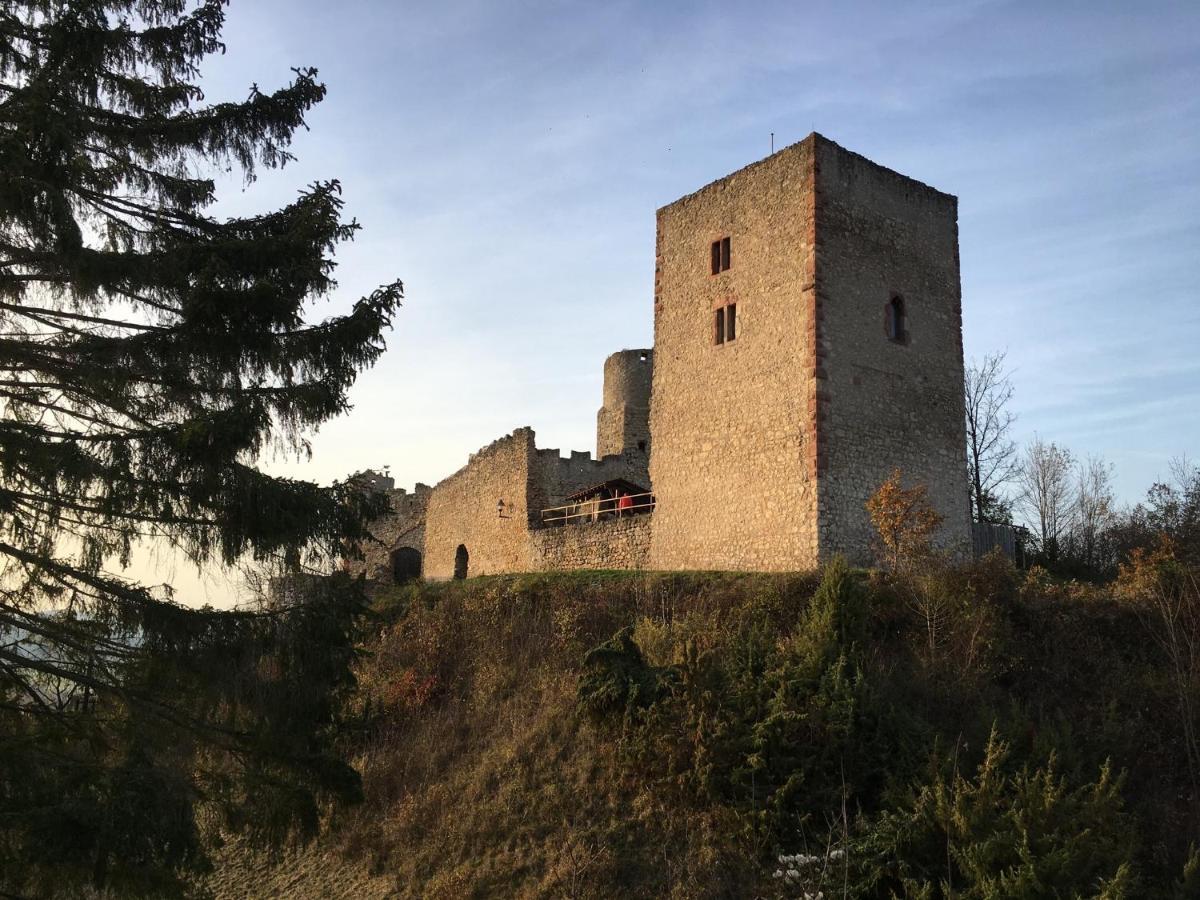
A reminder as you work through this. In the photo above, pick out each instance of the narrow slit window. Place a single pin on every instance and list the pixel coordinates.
(716, 257)
(731, 321)
(719, 330)
(894, 319)
(724, 254)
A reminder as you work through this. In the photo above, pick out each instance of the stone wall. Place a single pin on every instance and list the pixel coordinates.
(404, 526)
(462, 511)
(623, 422)
(886, 403)
(765, 446)
(610, 544)
(734, 457)
(554, 477)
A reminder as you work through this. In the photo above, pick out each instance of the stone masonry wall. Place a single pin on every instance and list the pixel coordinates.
(404, 526)
(886, 404)
(462, 510)
(765, 447)
(623, 422)
(612, 544)
(734, 457)
(554, 477)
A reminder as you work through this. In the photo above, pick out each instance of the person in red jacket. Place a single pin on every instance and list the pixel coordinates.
(625, 502)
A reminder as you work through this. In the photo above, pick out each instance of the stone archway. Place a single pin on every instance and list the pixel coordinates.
(461, 561)
(406, 564)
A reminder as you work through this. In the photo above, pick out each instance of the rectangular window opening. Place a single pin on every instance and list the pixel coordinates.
(731, 321)
(720, 255)
(720, 326)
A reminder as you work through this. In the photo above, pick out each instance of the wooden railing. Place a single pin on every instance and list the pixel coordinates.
(597, 510)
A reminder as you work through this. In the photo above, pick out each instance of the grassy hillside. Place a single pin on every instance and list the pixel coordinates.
(975, 733)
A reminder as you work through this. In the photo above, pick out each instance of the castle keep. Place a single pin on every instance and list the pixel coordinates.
(807, 340)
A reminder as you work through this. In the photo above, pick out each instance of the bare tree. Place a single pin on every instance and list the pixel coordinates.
(992, 458)
(1047, 492)
(1093, 508)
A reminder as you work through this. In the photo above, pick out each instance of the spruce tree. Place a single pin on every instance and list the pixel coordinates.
(150, 350)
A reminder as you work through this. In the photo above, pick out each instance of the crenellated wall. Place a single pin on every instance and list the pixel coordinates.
(555, 477)
(462, 508)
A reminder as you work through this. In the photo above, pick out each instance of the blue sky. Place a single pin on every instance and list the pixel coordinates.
(506, 160)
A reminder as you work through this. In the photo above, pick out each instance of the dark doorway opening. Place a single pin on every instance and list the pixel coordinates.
(461, 558)
(406, 564)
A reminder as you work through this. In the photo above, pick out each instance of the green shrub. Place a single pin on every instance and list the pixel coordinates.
(1000, 834)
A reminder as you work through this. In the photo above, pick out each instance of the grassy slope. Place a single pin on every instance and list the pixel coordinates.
(483, 779)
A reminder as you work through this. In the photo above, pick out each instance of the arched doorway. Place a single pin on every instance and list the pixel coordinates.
(406, 564)
(461, 559)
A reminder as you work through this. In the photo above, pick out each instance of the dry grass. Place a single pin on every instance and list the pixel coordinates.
(482, 779)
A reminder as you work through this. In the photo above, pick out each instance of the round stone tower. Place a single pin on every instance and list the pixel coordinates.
(623, 423)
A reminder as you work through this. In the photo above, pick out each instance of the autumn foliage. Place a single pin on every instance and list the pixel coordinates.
(904, 521)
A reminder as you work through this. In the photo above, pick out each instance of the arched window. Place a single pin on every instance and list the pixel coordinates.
(894, 320)
(461, 559)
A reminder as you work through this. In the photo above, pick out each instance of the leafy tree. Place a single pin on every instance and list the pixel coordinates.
(904, 520)
(992, 458)
(1171, 511)
(149, 351)
(1175, 509)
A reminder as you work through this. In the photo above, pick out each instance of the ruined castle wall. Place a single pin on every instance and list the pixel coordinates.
(554, 477)
(623, 422)
(462, 510)
(403, 526)
(612, 544)
(884, 403)
(734, 457)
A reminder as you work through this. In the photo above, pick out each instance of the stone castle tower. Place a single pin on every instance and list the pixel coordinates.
(623, 422)
(808, 340)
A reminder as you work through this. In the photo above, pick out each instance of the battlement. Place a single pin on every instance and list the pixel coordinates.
(552, 455)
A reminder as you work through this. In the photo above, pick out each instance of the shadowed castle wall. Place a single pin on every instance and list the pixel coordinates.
(887, 403)
(403, 526)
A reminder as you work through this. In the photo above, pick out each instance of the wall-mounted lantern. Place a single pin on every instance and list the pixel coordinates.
(500, 510)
